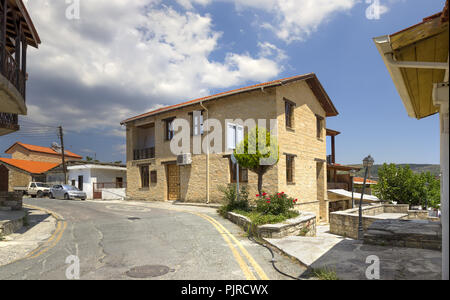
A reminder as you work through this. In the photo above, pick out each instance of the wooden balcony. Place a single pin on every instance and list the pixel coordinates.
(146, 153)
(17, 32)
(8, 123)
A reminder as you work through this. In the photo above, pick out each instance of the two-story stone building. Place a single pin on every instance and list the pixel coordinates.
(299, 104)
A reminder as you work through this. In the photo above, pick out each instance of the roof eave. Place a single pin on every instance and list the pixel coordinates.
(332, 111)
(383, 45)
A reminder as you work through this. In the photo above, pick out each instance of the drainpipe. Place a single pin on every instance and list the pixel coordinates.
(207, 157)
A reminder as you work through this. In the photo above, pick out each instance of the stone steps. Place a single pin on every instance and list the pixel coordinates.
(421, 234)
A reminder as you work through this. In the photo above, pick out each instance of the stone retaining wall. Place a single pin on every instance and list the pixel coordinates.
(305, 224)
(345, 223)
(10, 201)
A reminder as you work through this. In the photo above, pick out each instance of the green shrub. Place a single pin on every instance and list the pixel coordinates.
(230, 199)
(325, 274)
(276, 204)
(258, 218)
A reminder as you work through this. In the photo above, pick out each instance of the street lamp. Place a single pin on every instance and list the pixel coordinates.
(352, 175)
(367, 163)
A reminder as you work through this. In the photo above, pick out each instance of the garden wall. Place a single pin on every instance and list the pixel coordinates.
(305, 224)
(10, 201)
(346, 222)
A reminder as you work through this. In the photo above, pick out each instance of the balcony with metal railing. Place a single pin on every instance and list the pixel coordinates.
(146, 153)
(17, 32)
(8, 123)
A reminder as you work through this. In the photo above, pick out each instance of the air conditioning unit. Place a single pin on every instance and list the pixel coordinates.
(184, 159)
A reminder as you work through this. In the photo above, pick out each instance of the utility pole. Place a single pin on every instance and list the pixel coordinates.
(61, 137)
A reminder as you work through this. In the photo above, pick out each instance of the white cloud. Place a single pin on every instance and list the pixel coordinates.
(189, 4)
(122, 57)
(296, 19)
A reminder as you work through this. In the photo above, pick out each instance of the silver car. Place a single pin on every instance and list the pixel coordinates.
(67, 192)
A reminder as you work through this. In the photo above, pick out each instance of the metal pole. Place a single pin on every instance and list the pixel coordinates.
(360, 225)
(61, 136)
(237, 180)
(353, 189)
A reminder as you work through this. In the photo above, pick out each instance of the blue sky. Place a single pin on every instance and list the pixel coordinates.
(121, 58)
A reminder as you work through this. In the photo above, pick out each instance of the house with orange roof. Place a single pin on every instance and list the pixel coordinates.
(299, 105)
(18, 172)
(29, 163)
(23, 151)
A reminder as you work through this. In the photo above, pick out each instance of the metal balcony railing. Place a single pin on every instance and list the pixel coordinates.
(8, 68)
(144, 153)
(9, 121)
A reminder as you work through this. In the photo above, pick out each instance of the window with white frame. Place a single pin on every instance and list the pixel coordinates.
(235, 135)
(197, 123)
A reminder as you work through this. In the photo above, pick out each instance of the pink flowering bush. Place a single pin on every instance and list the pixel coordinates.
(276, 204)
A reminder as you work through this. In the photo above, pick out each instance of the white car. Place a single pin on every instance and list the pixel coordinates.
(67, 192)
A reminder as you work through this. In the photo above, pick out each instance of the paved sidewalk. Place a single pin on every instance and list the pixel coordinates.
(348, 257)
(38, 228)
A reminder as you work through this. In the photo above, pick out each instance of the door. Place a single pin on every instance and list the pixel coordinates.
(173, 182)
(80, 183)
(97, 190)
(119, 182)
(4, 178)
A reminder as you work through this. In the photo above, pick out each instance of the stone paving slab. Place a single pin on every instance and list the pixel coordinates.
(347, 257)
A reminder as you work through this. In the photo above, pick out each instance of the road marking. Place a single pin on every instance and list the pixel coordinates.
(224, 232)
(56, 235)
(262, 275)
(248, 274)
(54, 243)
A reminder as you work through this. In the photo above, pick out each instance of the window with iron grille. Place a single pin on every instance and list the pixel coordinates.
(289, 113)
(290, 168)
(169, 132)
(144, 176)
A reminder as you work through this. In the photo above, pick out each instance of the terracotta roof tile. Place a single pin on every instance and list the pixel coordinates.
(330, 105)
(360, 180)
(47, 150)
(34, 167)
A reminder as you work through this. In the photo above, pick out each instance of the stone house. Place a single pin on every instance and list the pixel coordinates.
(29, 163)
(300, 106)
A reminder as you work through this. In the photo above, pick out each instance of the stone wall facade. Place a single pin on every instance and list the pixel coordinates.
(309, 186)
(18, 178)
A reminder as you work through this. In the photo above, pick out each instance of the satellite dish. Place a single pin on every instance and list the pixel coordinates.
(56, 147)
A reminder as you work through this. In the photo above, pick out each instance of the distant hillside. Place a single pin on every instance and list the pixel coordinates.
(416, 168)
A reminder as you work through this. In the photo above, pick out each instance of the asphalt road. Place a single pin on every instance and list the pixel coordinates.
(122, 241)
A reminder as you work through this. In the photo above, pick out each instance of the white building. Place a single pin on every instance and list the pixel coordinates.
(99, 180)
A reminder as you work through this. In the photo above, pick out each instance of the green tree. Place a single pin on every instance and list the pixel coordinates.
(402, 185)
(258, 152)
